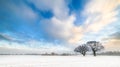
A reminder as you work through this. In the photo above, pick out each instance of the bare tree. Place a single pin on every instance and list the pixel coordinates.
(95, 46)
(82, 49)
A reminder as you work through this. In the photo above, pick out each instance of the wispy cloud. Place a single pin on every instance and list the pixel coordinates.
(32, 46)
(113, 40)
(54, 20)
(101, 13)
(5, 37)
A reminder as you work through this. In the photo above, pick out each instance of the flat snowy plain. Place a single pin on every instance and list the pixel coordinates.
(58, 61)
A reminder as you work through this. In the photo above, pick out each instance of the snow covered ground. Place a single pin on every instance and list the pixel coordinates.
(58, 61)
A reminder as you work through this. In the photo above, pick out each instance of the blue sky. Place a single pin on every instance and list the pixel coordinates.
(57, 22)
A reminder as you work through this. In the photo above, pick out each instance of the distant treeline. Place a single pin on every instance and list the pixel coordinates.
(44, 54)
(110, 53)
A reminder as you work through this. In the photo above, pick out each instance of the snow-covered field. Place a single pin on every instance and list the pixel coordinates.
(58, 61)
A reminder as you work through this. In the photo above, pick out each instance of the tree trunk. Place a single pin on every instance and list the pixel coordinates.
(94, 52)
(84, 53)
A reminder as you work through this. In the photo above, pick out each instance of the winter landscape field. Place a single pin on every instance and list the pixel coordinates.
(58, 61)
(59, 33)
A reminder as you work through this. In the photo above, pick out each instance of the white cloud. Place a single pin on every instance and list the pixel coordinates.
(100, 13)
(61, 25)
(59, 7)
(112, 44)
(32, 46)
(102, 17)
(64, 29)
(22, 11)
(60, 28)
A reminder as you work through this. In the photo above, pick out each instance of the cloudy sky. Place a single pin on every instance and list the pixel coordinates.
(52, 24)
